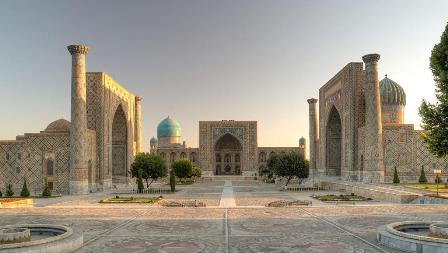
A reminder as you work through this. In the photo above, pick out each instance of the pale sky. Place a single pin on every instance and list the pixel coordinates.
(210, 60)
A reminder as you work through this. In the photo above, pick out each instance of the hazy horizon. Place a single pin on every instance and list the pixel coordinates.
(211, 60)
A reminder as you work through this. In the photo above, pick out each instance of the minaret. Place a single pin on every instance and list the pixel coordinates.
(373, 160)
(314, 133)
(79, 182)
(138, 124)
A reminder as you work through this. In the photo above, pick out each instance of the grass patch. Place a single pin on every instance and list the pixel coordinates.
(341, 197)
(118, 199)
(429, 187)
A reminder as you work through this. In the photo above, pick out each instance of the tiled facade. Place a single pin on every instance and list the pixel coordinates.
(226, 147)
(357, 141)
(91, 153)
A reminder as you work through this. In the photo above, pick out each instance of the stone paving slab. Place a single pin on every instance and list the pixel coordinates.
(322, 227)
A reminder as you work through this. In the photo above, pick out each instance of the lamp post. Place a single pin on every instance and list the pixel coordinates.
(437, 173)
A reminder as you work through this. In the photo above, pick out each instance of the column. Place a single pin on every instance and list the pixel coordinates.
(314, 133)
(79, 182)
(373, 160)
(138, 124)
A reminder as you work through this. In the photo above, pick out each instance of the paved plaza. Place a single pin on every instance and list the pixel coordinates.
(235, 220)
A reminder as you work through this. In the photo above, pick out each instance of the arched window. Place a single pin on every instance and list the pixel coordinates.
(162, 155)
(193, 156)
(183, 155)
(172, 156)
(237, 158)
(218, 169)
(262, 157)
(227, 158)
(218, 158)
(50, 168)
(271, 154)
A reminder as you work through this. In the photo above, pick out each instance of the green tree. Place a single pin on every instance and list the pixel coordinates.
(172, 181)
(422, 179)
(435, 116)
(25, 192)
(46, 192)
(140, 186)
(289, 166)
(396, 178)
(9, 191)
(265, 172)
(182, 168)
(196, 172)
(152, 167)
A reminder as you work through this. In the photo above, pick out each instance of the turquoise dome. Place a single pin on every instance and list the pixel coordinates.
(168, 128)
(302, 141)
(392, 93)
(153, 140)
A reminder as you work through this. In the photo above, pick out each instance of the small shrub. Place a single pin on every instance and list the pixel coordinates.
(172, 181)
(46, 192)
(422, 179)
(25, 192)
(9, 191)
(396, 178)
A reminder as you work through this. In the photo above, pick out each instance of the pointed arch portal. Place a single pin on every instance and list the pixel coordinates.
(229, 148)
(119, 146)
(334, 143)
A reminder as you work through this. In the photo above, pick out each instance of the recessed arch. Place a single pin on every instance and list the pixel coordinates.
(119, 146)
(334, 143)
(229, 150)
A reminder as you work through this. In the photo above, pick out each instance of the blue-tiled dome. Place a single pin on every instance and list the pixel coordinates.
(391, 92)
(168, 128)
(153, 140)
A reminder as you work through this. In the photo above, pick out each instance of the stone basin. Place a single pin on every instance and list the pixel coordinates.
(14, 235)
(27, 238)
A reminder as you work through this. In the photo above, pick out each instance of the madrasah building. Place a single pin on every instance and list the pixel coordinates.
(359, 133)
(226, 147)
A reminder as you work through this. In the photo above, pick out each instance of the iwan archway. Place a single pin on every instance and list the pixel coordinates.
(228, 151)
(119, 147)
(333, 143)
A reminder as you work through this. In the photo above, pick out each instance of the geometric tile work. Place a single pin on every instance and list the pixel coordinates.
(402, 146)
(405, 149)
(26, 160)
(104, 97)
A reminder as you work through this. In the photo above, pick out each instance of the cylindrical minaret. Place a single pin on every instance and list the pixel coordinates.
(314, 134)
(138, 124)
(373, 160)
(79, 182)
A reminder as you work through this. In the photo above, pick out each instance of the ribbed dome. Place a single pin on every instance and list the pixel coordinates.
(60, 125)
(391, 92)
(153, 140)
(168, 128)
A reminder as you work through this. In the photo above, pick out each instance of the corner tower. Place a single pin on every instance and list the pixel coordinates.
(79, 183)
(374, 164)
